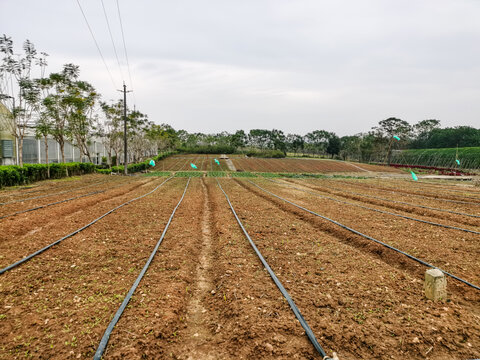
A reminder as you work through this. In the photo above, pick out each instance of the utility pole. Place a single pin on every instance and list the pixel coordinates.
(125, 157)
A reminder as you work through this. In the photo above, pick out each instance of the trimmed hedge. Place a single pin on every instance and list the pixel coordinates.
(12, 175)
(133, 168)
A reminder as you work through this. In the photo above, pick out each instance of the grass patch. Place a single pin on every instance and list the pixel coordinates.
(269, 175)
(158, 173)
(216, 174)
(243, 174)
(189, 174)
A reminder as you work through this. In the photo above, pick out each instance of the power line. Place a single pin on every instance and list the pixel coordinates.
(125, 50)
(96, 44)
(113, 42)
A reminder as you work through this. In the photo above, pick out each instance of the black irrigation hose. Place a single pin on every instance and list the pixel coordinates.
(369, 238)
(426, 197)
(380, 211)
(54, 203)
(47, 195)
(296, 311)
(402, 202)
(118, 314)
(10, 267)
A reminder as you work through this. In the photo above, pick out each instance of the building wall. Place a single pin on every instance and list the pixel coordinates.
(5, 117)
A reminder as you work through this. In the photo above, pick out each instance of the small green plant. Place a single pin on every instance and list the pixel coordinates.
(189, 174)
(243, 174)
(216, 174)
(158, 173)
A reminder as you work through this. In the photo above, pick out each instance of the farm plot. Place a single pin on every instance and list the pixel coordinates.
(305, 165)
(206, 294)
(408, 191)
(182, 163)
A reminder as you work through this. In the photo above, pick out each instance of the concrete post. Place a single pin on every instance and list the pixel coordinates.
(435, 285)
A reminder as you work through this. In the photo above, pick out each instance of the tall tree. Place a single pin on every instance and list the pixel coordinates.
(295, 143)
(317, 141)
(333, 145)
(59, 104)
(111, 129)
(43, 128)
(24, 93)
(83, 98)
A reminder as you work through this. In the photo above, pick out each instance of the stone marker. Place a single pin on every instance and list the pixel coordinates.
(435, 285)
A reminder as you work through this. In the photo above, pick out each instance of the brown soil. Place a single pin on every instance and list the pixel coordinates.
(207, 296)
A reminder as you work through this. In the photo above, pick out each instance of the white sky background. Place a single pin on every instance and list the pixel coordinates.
(298, 66)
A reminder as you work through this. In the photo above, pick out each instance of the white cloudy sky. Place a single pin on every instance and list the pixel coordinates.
(213, 65)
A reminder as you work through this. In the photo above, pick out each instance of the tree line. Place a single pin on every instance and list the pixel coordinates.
(62, 106)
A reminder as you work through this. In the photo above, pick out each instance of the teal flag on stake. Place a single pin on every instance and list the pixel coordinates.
(458, 161)
(414, 177)
(152, 163)
(396, 138)
(218, 162)
(193, 165)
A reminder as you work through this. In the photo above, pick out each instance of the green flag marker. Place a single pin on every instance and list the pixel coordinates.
(458, 161)
(218, 162)
(193, 165)
(414, 177)
(152, 163)
(396, 138)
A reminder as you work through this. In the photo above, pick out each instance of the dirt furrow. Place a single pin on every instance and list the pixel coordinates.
(58, 305)
(358, 303)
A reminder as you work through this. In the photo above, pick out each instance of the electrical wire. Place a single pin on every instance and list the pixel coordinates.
(125, 50)
(96, 44)
(111, 38)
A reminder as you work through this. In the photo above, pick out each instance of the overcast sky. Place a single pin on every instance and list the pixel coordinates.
(209, 66)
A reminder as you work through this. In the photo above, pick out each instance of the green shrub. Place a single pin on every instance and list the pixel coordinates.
(216, 174)
(265, 153)
(133, 168)
(158, 173)
(242, 174)
(12, 175)
(188, 174)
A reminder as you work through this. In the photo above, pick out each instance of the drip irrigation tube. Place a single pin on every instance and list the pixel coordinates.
(423, 196)
(10, 267)
(296, 311)
(118, 314)
(402, 202)
(380, 211)
(369, 238)
(47, 195)
(54, 203)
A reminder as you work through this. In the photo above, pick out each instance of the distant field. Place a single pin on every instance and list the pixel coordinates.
(469, 157)
(243, 164)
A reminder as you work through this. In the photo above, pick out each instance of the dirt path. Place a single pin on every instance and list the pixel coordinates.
(198, 338)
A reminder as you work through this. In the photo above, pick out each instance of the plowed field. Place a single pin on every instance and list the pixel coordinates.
(207, 295)
(287, 165)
